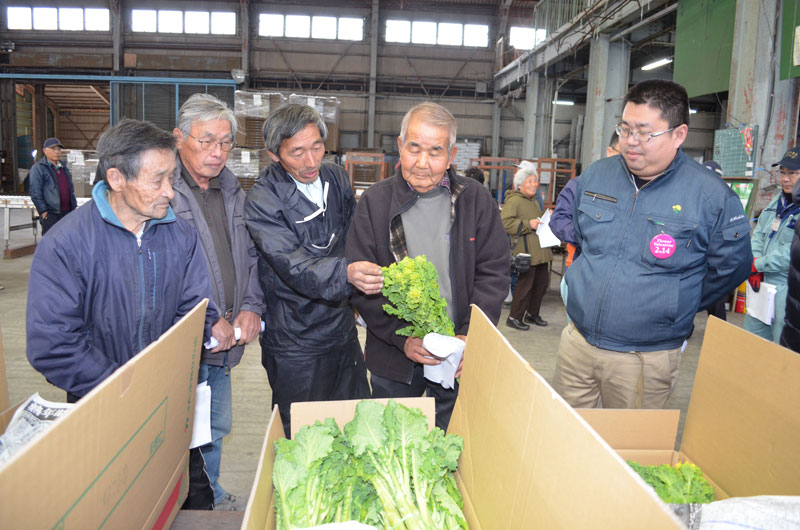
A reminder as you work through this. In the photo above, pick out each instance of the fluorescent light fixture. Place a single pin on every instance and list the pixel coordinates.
(656, 64)
(563, 102)
(692, 111)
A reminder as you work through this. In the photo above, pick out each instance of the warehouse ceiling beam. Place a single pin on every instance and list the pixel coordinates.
(286, 62)
(245, 14)
(419, 79)
(600, 17)
(116, 33)
(335, 64)
(461, 69)
(373, 72)
(100, 95)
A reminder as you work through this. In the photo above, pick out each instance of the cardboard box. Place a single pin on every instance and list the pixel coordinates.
(529, 460)
(119, 458)
(743, 422)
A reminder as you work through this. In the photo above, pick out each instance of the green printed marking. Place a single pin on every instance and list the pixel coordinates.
(158, 436)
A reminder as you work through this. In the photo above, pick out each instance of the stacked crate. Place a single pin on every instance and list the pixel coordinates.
(247, 165)
(328, 107)
(83, 168)
(251, 109)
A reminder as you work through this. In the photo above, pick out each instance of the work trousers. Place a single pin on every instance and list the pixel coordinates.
(339, 373)
(590, 377)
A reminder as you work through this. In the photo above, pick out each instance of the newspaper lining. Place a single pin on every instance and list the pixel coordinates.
(33, 417)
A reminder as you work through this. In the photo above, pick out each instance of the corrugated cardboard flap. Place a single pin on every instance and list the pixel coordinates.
(529, 460)
(744, 409)
(635, 429)
(110, 460)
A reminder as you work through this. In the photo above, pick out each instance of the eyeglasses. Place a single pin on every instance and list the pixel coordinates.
(639, 136)
(208, 145)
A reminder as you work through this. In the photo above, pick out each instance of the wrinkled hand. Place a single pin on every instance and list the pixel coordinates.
(416, 352)
(461, 364)
(223, 332)
(535, 223)
(250, 324)
(365, 276)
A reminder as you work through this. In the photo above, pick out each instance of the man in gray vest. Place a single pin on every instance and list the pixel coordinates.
(209, 196)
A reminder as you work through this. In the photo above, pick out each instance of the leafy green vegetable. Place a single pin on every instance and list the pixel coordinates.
(412, 287)
(386, 470)
(681, 484)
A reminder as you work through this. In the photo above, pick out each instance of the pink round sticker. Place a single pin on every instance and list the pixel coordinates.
(662, 246)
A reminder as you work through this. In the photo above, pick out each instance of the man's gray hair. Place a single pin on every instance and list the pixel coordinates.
(526, 170)
(123, 145)
(432, 114)
(288, 120)
(202, 108)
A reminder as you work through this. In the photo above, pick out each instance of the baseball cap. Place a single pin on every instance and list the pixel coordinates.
(791, 160)
(50, 142)
(711, 165)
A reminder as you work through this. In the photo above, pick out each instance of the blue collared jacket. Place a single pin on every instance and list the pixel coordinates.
(96, 297)
(652, 257)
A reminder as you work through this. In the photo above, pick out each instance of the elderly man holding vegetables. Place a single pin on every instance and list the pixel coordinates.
(426, 209)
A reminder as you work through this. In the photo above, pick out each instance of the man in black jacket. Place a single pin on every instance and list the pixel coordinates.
(425, 208)
(298, 213)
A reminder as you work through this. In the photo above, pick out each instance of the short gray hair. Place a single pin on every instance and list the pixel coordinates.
(432, 114)
(203, 108)
(288, 120)
(123, 145)
(523, 173)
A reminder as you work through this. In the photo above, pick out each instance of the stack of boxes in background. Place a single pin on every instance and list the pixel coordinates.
(82, 166)
(248, 159)
(467, 150)
(328, 107)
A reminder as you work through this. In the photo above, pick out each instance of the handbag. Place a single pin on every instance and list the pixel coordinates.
(520, 263)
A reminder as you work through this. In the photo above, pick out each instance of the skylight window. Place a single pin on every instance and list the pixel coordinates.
(19, 18)
(144, 20)
(351, 29)
(323, 27)
(70, 18)
(450, 34)
(96, 19)
(223, 23)
(423, 32)
(298, 26)
(45, 18)
(196, 22)
(525, 38)
(270, 25)
(398, 31)
(476, 35)
(170, 21)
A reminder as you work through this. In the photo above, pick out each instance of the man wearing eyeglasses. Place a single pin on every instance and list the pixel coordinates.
(661, 237)
(298, 213)
(208, 195)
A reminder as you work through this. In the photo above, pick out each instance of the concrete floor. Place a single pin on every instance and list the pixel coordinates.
(251, 393)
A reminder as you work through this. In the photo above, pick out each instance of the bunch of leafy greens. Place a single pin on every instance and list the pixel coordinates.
(681, 484)
(386, 470)
(412, 287)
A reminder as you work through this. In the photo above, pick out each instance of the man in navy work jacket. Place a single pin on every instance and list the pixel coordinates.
(119, 271)
(51, 186)
(661, 237)
(298, 213)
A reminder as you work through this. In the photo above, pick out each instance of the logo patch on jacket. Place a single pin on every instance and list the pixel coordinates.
(676, 208)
